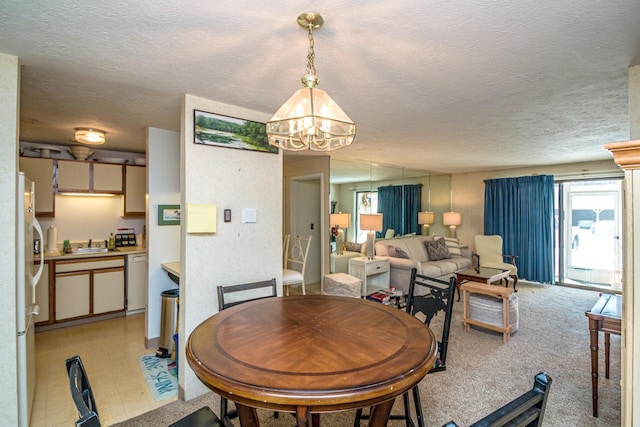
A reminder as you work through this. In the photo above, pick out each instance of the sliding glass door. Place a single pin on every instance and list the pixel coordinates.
(588, 233)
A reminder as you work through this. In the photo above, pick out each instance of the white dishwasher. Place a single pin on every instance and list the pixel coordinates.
(136, 283)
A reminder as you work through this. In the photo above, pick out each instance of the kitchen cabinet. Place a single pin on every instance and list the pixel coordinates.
(42, 295)
(41, 172)
(135, 203)
(89, 177)
(89, 287)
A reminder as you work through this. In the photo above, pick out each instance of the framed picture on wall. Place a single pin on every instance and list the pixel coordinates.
(168, 214)
(230, 132)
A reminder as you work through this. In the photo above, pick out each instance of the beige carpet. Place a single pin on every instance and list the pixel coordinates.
(483, 373)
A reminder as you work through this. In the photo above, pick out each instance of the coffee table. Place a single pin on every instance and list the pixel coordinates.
(482, 274)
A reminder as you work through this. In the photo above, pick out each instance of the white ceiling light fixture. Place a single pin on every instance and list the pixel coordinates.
(90, 136)
(310, 119)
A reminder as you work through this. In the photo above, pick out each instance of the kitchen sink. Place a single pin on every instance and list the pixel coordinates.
(90, 250)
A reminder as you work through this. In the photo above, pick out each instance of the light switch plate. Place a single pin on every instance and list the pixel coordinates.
(249, 215)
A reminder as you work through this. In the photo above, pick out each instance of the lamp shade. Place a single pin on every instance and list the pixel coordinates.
(372, 222)
(310, 120)
(342, 220)
(426, 217)
(452, 218)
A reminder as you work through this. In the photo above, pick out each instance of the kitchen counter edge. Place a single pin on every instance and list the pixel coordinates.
(135, 251)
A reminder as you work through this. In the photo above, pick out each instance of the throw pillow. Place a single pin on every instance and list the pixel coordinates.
(397, 252)
(453, 246)
(352, 246)
(437, 249)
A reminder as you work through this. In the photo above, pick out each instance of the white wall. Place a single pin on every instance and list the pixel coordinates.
(9, 107)
(236, 252)
(163, 241)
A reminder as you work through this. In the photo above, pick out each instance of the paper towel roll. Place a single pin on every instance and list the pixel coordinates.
(52, 239)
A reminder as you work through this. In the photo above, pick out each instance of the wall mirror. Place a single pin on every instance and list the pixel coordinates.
(354, 187)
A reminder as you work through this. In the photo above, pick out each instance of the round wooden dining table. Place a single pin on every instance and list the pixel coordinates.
(311, 354)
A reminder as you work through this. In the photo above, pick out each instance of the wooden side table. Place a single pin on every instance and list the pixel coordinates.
(605, 316)
(374, 273)
(485, 289)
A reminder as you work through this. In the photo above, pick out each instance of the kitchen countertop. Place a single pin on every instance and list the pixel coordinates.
(129, 250)
(172, 267)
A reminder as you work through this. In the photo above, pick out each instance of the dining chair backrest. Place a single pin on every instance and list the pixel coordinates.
(82, 394)
(88, 411)
(231, 295)
(295, 252)
(429, 296)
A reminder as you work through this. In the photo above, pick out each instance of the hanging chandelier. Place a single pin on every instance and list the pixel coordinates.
(310, 119)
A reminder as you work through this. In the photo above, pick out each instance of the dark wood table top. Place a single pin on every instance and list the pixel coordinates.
(321, 352)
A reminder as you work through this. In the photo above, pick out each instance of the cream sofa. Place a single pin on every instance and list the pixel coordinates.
(414, 247)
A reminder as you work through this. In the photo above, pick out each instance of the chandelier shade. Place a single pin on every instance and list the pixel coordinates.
(310, 119)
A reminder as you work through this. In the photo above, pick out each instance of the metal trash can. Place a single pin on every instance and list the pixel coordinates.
(168, 321)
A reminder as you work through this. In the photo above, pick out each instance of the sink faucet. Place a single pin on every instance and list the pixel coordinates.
(89, 245)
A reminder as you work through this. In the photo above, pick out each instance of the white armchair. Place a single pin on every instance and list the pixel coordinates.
(489, 254)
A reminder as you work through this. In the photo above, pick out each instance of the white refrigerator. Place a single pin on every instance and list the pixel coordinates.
(26, 308)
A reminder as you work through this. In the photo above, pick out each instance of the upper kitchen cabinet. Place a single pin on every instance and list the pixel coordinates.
(89, 177)
(135, 191)
(41, 172)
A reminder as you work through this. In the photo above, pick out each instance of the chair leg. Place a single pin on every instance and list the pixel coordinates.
(416, 401)
(407, 410)
(304, 292)
(356, 423)
(515, 282)
(223, 412)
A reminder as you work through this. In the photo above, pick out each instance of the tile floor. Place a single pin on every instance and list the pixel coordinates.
(109, 350)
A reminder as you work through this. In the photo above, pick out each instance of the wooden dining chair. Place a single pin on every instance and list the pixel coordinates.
(85, 402)
(229, 296)
(427, 297)
(296, 250)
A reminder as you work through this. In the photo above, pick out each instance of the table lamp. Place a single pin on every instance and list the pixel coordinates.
(372, 223)
(425, 219)
(340, 221)
(452, 219)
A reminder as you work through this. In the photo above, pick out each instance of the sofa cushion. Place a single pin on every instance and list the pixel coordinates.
(413, 246)
(437, 250)
(397, 252)
(352, 246)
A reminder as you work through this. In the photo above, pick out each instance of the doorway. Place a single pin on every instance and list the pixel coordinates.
(589, 235)
(306, 219)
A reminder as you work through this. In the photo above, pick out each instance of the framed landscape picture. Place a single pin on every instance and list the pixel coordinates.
(230, 132)
(168, 214)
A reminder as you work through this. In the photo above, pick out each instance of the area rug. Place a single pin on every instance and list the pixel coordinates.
(161, 376)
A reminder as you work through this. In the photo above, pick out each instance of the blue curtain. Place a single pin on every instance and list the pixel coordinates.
(521, 211)
(399, 206)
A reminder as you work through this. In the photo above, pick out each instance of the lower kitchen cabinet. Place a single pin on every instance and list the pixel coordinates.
(73, 295)
(88, 287)
(108, 291)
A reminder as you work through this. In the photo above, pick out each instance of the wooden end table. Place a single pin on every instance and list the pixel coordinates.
(482, 274)
(374, 273)
(485, 289)
(605, 316)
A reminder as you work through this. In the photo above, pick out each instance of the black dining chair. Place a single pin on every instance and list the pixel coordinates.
(229, 296)
(85, 402)
(427, 296)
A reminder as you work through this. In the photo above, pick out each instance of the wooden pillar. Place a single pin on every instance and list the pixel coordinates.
(627, 156)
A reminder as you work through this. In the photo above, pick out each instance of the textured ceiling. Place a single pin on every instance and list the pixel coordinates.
(438, 85)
